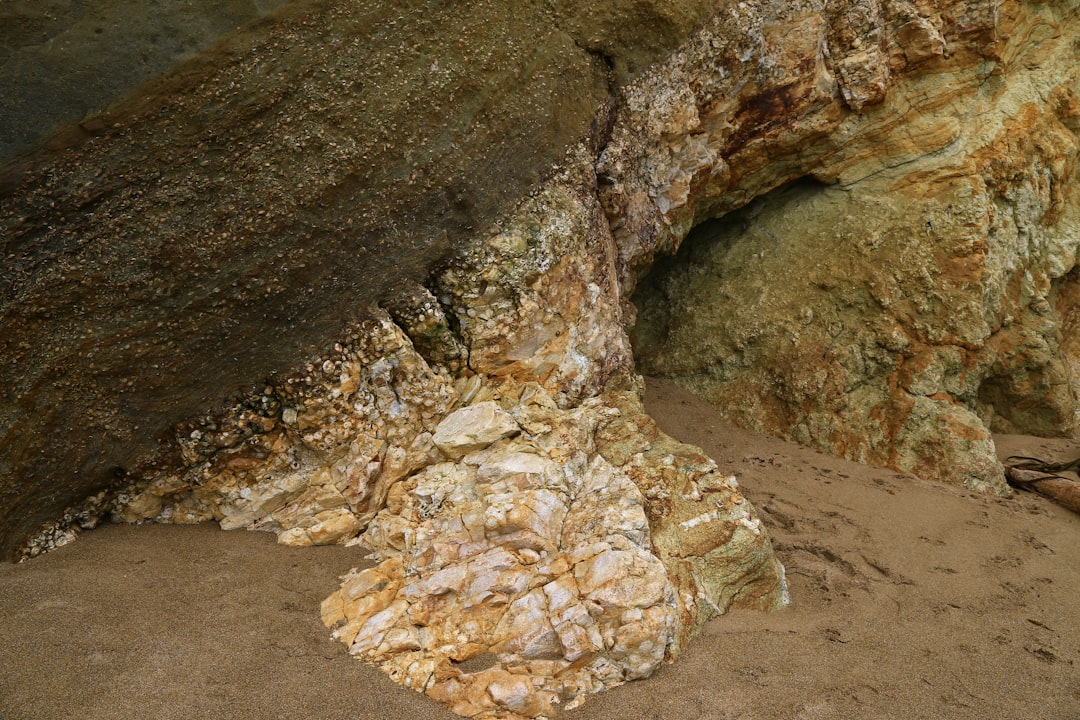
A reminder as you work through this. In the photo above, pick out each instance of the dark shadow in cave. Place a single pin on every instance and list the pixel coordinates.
(738, 234)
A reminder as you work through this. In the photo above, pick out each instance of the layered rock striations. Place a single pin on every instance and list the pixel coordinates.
(895, 302)
(870, 213)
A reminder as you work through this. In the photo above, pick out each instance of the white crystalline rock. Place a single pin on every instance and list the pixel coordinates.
(543, 566)
(473, 428)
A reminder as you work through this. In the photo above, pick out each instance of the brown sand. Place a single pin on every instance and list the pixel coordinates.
(909, 600)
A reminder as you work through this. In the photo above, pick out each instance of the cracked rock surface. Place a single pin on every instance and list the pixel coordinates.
(510, 581)
(538, 538)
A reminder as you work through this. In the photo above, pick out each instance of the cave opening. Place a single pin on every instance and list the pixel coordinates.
(856, 321)
(742, 287)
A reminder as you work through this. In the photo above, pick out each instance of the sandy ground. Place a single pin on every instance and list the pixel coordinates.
(910, 600)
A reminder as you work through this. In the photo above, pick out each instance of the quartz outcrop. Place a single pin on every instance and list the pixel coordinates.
(538, 539)
(525, 577)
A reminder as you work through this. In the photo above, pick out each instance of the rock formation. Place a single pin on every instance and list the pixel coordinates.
(63, 59)
(226, 221)
(538, 538)
(878, 206)
(903, 295)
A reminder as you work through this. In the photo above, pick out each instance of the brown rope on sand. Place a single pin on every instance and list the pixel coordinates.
(1042, 477)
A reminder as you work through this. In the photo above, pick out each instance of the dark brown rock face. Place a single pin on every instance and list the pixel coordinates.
(228, 219)
(60, 59)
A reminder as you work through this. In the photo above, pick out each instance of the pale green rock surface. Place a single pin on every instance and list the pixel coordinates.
(898, 303)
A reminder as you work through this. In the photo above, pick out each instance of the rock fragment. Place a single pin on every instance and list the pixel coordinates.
(473, 428)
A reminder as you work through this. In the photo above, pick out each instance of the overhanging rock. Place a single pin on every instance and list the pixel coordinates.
(907, 297)
(226, 221)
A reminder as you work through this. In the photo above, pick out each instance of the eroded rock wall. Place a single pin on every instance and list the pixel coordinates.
(226, 221)
(898, 305)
